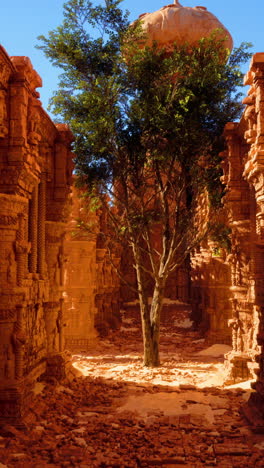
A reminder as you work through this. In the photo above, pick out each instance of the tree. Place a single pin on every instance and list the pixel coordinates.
(148, 128)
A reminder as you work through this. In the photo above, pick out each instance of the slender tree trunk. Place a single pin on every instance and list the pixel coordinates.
(155, 312)
(151, 330)
(150, 315)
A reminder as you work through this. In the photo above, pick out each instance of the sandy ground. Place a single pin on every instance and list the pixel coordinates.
(120, 414)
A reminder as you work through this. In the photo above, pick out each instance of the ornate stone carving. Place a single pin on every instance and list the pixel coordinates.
(19, 339)
(6, 68)
(34, 135)
(4, 73)
(52, 325)
(29, 330)
(7, 315)
(3, 115)
(8, 220)
(24, 67)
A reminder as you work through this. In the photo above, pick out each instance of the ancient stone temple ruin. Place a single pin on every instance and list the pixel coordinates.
(35, 181)
(227, 284)
(59, 290)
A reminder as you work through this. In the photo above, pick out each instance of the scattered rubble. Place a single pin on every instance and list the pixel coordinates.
(125, 422)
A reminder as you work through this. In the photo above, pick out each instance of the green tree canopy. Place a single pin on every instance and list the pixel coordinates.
(148, 127)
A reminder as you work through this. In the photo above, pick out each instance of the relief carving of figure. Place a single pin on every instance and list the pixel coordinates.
(3, 115)
(4, 73)
(235, 259)
(19, 340)
(51, 312)
(19, 336)
(8, 364)
(33, 125)
(237, 340)
(10, 267)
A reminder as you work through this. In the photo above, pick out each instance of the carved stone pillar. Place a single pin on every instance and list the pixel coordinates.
(41, 226)
(33, 231)
(237, 201)
(51, 312)
(22, 248)
(3, 114)
(19, 339)
(56, 361)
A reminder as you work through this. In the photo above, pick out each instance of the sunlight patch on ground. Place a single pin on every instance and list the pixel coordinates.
(215, 350)
(187, 323)
(246, 385)
(172, 372)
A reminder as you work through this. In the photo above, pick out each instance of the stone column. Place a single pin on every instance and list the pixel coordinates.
(22, 248)
(41, 226)
(33, 231)
(19, 340)
(237, 202)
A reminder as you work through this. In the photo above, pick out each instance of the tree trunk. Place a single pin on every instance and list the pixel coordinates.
(151, 354)
(151, 347)
(150, 315)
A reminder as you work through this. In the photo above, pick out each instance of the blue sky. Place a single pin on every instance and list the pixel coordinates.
(21, 21)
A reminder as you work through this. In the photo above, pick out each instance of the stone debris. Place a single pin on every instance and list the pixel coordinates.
(93, 421)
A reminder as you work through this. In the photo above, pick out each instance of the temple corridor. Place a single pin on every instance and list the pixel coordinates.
(73, 391)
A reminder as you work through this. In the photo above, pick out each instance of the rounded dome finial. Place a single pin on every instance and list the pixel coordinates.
(174, 23)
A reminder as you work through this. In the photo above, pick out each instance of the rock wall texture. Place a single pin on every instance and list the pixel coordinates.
(92, 287)
(80, 278)
(107, 297)
(210, 292)
(250, 229)
(35, 180)
(228, 284)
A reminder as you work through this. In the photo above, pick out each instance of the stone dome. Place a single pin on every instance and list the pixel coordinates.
(175, 23)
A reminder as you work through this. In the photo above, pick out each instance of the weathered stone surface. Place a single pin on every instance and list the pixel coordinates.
(80, 277)
(227, 286)
(35, 180)
(176, 23)
(245, 207)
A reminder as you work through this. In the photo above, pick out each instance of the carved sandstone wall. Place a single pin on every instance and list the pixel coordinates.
(228, 288)
(107, 297)
(244, 172)
(35, 180)
(80, 277)
(92, 287)
(210, 291)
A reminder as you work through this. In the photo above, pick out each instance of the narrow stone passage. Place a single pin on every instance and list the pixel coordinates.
(122, 415)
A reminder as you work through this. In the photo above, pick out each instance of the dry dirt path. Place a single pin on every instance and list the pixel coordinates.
(121, 415)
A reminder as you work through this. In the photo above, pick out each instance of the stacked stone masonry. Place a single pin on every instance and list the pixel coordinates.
(228, 286)
(80, 280)
(35, 182)
(58, 289)
(92, 286)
